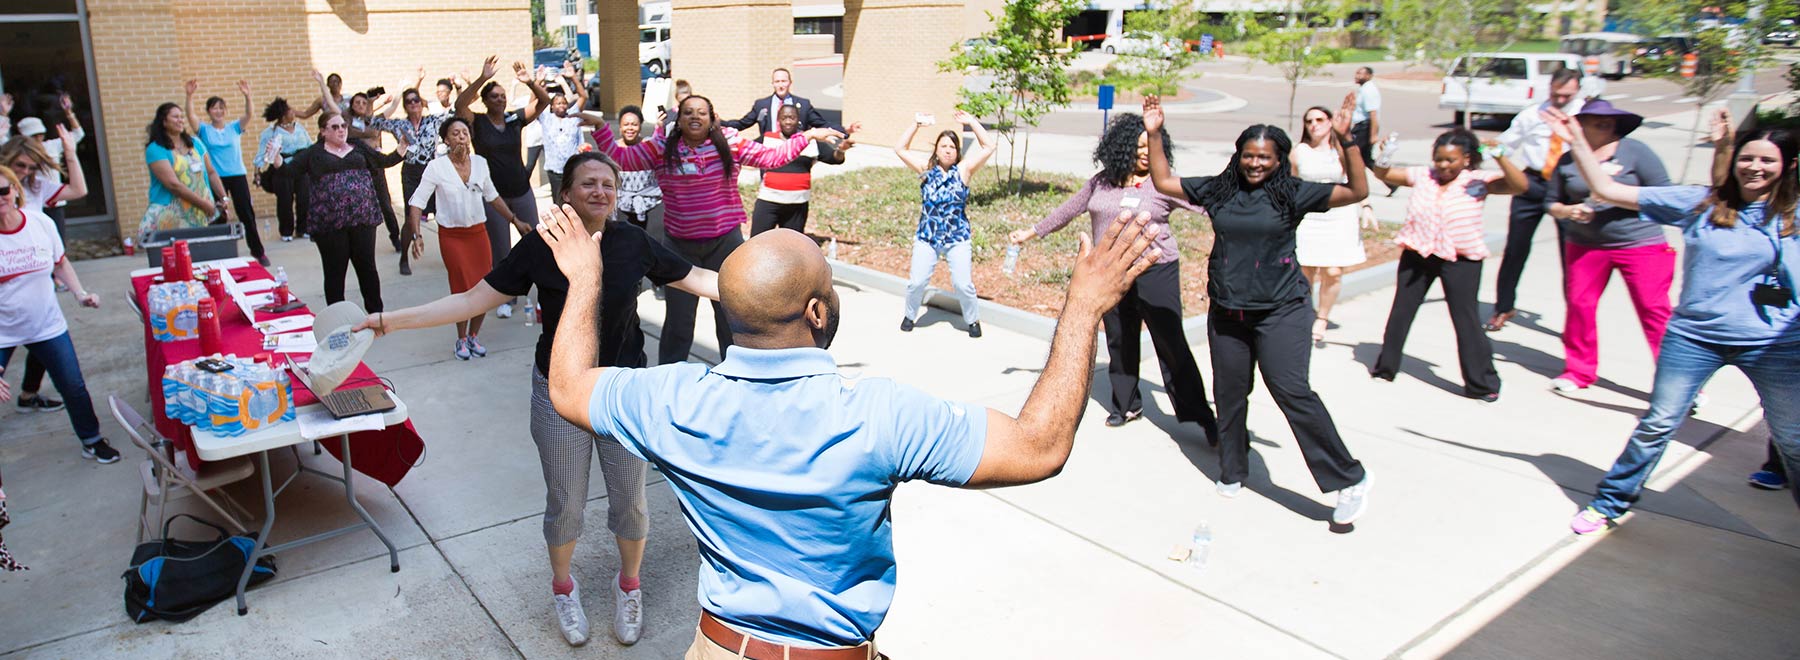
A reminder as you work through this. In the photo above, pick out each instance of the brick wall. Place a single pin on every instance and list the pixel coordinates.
(890, 66)
(726, 48)
(144, 49)
(616, 51)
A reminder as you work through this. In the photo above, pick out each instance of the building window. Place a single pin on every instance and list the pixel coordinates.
(832, 25)
(568, 7)
(570, 36)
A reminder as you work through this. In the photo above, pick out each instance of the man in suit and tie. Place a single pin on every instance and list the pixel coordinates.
(763, 114)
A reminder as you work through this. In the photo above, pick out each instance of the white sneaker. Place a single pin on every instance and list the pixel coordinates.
(1230, 490)
(628, 614)
(504, 311)
(1564, 385)
(1352, 501)
(570, 618)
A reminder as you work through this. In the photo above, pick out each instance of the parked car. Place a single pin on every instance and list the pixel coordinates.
(653, 48)
(553, 57)
(1614, 50)
(1505, 84)
(1785, 33)
(1139, 43)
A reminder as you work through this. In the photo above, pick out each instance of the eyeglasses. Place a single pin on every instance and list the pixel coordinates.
(333, 127)
(414, 100)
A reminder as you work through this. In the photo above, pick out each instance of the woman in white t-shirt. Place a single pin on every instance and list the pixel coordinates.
(31, 256)
(462, 184)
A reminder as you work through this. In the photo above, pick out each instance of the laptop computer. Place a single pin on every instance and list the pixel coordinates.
(349, 402)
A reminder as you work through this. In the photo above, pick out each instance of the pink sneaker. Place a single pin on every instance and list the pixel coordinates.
(1589, 521)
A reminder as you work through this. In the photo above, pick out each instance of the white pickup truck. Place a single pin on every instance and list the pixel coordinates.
(1505, 84)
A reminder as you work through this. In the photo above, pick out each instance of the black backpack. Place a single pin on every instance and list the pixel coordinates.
(176, 580)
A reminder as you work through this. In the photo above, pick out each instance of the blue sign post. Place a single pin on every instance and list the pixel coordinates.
(1106, 104)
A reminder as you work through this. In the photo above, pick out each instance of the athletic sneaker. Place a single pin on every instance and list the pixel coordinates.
(570, 618)
(39, 403)
(101, 452)
(1230, 490)
(476, 348)
(503, 311)
(628, 614)
(975, 330)
(1588, 522)
(1563, 385)
(1352, 501)
(462, 349)
(906, 324)
(264, 261)
(1121, 419)
(287, 239)
(1767, 480)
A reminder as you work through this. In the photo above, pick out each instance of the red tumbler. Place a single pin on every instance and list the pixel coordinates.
(184, 262)
(168, 263)
(210, 337)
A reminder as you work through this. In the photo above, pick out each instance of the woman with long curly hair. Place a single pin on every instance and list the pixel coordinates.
(284, 138)
(1738, 307)
(1443, 241)
(1122, 186)
(1260, 315)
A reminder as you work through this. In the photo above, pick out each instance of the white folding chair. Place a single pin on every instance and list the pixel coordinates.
(167, 476)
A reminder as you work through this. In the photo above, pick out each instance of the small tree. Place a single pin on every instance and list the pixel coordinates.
(1439, 33)
(540, 33)
(1027, 61)
(1727, 44)
(1160, 70)
(1299, 44)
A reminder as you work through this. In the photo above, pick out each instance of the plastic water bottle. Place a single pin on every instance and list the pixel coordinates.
(1385, 156)
(530, 314)
(831, 249)
(281, 275)
(1202, 543)
(1012, 259)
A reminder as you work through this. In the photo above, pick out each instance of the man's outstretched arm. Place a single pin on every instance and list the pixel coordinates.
(1034, 446)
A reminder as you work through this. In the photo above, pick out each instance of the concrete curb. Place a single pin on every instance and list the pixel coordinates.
(1359, 283)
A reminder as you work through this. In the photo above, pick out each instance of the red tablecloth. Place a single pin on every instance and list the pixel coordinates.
(384, 455)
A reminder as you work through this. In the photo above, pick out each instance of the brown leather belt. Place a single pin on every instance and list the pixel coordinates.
(756, 649)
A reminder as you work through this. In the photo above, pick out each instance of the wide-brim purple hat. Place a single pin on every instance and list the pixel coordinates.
(1623, 122)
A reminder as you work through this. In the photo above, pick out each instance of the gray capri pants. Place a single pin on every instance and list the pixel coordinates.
(566, 452)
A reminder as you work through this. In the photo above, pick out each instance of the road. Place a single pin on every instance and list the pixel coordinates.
(1410, 106)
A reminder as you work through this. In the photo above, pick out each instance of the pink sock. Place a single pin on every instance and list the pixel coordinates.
(564, 586)
(627, 584)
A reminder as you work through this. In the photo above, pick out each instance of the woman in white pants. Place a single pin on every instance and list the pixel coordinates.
(943, 220)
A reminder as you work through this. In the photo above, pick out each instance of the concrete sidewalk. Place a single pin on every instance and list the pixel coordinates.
(1464, 553)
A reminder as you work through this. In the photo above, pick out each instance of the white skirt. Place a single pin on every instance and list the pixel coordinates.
(1330, 239)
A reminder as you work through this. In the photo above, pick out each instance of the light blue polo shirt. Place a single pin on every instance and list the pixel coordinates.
(785, 471)
(1720, 267)
(227, 153)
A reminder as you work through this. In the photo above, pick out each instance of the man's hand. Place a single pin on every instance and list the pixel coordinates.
(1153, 114)
(577, 252)
(1105, 271)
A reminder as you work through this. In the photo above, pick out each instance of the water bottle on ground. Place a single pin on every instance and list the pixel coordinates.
(1202, 547)
(831, 249)
(1012, 259)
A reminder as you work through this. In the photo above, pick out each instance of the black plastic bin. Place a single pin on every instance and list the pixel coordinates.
(204, 243)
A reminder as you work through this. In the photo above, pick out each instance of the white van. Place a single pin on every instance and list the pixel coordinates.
(1614, 51)
(1507, 83)
(653, 48)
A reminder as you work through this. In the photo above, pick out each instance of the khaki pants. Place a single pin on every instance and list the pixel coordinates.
(706, 649)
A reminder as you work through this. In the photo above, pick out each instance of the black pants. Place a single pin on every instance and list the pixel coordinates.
(239, 189)
(1359, 136)
(1527, 211)
(386, 199)
(1155, 300)
(678, 321)
(1461, 279)
(1773, 464)
(59, 216)
(766, 215)
(410, 176)
(1279, 342)
(532, 156)
(352, 246)
(290, 201)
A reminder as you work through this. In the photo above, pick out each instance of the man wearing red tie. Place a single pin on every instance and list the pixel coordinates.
(1532, 146)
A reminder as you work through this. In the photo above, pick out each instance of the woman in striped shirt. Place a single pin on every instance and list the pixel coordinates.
(696, 166)
(1443, 241)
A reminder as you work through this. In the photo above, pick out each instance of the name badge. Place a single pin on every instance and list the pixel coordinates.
(1129, 202)
(689, 168)
(1611, 168)
(195, 166)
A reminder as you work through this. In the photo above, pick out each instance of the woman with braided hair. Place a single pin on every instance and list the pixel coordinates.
(1261, 315)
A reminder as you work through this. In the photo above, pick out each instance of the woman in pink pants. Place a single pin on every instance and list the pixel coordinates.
(1600, 239)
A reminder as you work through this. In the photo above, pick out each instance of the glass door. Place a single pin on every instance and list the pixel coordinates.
(46, 65)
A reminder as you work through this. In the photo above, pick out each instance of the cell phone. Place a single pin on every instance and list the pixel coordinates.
(924, 119)
(213, 366)
(1771, 295)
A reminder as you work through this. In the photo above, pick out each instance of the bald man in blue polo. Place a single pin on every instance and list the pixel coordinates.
(785, 470)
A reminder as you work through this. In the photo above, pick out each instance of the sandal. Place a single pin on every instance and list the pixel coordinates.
(1499, 321)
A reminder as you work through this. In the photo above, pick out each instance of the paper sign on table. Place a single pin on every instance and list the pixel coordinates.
(255, 286)
(317, 422)
(285, 324)
(292, 342)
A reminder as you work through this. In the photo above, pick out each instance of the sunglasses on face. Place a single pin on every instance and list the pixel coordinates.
(414, 100)
(6, 193)
(333, 127)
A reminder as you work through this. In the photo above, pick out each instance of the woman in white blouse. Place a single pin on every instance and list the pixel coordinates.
(462, 184)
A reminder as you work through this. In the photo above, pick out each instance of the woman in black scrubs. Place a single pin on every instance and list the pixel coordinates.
(497, 135)
(1261, 315)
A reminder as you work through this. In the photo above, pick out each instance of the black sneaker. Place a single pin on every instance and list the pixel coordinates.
(100, 451)
(1121, 419)
(975, 329)
(39, 403)
(906, 325)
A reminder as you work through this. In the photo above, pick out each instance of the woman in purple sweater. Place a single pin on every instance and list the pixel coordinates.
(1123, 185)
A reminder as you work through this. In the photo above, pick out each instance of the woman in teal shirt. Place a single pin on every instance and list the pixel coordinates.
(183, 185)
(1737, 308)
(222, 140)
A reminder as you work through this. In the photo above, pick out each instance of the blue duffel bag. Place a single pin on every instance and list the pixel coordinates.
(176, 580)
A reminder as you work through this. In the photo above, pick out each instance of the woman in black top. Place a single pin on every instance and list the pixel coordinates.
(1260, 314)
(590, 192)
(343, 209)
(498, 137)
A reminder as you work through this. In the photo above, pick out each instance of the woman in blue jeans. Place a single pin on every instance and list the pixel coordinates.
(31, 256)
(1738, 306)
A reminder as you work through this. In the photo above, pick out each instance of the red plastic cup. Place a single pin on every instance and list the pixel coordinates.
(210, 335)
(184, 261)
(168, 263)
(281, 294)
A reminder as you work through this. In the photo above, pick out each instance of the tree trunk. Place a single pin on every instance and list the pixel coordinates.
(1688, 163)
(1023, 163)
(1293, 89)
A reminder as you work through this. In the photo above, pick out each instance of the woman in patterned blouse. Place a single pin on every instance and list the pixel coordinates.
(344, 208)
(943, 218)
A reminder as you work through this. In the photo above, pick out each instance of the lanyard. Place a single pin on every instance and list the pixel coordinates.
(1771, 228)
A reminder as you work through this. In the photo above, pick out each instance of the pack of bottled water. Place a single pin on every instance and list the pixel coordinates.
(174, 310)
(227, 395)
